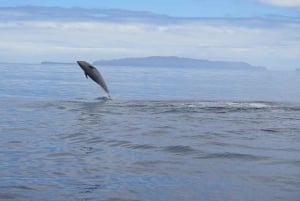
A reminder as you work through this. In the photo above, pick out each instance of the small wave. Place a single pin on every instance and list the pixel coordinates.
(179, 149)
(120, 199)
(87, 188)
(8, 196)
(104, 98)
(270, 130)
(289, 162)
(128, 144)
(202, 106)
(60, 154)
(141, 146)
(20, 187)
(228, 155)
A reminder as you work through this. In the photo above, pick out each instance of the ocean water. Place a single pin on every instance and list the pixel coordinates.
(167, 134)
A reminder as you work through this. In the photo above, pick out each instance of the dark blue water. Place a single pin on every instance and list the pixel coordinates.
(167, 134)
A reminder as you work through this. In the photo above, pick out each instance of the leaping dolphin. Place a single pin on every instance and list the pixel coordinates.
(93, 73)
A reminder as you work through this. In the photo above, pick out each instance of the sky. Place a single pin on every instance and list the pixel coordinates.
(259, 32)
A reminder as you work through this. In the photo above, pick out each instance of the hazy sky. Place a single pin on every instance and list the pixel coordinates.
(260, 32)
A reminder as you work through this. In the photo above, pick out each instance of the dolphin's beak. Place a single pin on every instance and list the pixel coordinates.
(79, 63)
(82, 65)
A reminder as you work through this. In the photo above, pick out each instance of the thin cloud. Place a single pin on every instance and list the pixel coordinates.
(283, 3)
(78, 14)
(117, 33)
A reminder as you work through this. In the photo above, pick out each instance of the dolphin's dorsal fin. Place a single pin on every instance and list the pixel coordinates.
(86, 75)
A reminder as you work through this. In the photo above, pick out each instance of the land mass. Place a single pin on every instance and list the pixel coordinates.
(56, 63)
(173, 61)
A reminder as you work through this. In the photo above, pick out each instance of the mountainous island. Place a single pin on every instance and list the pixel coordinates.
(169, 61)
(176, 62)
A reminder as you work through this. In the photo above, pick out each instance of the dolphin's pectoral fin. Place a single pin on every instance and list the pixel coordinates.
(86, 75)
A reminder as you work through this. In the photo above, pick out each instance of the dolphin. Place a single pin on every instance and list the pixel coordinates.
(93, 73)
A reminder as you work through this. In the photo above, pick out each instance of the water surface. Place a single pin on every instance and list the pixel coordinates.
(168, 134)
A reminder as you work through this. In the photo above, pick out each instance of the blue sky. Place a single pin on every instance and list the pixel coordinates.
(260, 32)
(182, 8)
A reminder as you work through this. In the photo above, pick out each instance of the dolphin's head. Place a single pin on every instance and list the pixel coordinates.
(84, 65)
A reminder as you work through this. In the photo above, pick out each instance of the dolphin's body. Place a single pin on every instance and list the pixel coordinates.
(93, 73)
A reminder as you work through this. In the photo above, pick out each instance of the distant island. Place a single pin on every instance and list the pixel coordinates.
(169, 61)
(56, 63)
(173, 61)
